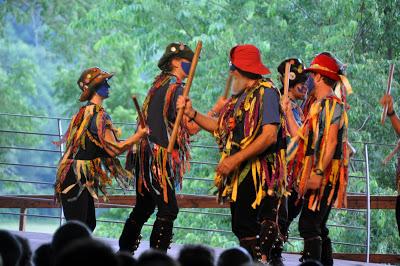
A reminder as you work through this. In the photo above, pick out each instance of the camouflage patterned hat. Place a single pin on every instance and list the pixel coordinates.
(89, 81)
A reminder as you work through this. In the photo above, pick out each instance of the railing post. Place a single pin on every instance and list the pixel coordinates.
(22, 218)
(60, 135)
(368, 201)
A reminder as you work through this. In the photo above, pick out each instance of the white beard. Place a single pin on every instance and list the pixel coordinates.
(237, 86)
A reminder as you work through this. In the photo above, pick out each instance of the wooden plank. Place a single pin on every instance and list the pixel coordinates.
(184, 201)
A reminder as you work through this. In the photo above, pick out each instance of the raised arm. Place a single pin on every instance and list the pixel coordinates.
(205, 122)
(394, 119)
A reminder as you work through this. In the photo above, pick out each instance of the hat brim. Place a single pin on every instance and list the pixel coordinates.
(86, 95)
(185, 54)
(324, 73)
(256, 69)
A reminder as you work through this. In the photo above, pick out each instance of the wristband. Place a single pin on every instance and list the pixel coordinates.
(192, 118)
(391, 114)
(214, 114)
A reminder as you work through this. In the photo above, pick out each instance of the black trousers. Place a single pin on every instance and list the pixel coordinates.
(245, 219)
(313, 223)
(289, 209)
(83, 208)
(152, 196)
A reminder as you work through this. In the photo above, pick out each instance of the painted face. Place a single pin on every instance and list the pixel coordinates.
(300, 91)
(186, 67)
(104, 90)
(310, 84)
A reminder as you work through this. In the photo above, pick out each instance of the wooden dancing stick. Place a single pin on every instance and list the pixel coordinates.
(286, 79)
(388, 90)
(392, 154)
(141, 119)
(228, 86)
(186, 90)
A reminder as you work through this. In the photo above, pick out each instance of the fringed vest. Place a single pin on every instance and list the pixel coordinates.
(238, 126)
(163, 168)
(306, 151)
(85, 155)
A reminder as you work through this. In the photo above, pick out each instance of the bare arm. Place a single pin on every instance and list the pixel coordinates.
(330, 146)
(291, 122)
(194, 128)
(206, 122)
(395, 123)
(118, 147)
(394, 119)
(267, 137)
(316, 179)
(293, 127)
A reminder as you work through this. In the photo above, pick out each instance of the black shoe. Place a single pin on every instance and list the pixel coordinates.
(275, 257)
(161, 235)
(253, 247)
(312, 249)
(268, 236)
(326, 252)
(130, 237)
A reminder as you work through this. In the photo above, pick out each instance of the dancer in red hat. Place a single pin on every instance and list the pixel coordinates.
(320, 153)
(250, 174)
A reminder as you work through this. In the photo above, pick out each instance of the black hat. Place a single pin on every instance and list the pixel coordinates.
(296, 74)
(174, 49)
(89, 81)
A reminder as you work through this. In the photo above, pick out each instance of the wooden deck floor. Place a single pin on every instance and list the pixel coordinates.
(37, 239)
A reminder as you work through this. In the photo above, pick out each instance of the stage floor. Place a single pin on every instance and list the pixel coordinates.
(37, 239)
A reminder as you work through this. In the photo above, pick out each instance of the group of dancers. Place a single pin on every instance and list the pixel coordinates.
(284, 152)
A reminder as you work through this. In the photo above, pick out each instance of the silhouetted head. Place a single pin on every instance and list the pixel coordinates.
(10, 248)
(26, 256)
(196, 255)
(87, 252)
(125, 259)
(156, 258)
(44, 255)
(68, 233)
(237, 256)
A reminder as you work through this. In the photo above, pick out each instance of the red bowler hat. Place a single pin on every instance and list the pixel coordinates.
(326, 66)
(247, 57)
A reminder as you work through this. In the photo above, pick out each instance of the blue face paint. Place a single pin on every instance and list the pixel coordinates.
(103, 90)
(302, 89)
(186, 67)
(309, 84)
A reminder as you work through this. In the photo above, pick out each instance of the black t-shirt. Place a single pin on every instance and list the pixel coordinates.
(155, 119)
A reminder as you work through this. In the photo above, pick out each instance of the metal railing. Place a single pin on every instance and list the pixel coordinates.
(213, 149)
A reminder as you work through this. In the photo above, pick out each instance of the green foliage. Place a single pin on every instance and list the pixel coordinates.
(44, 45)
